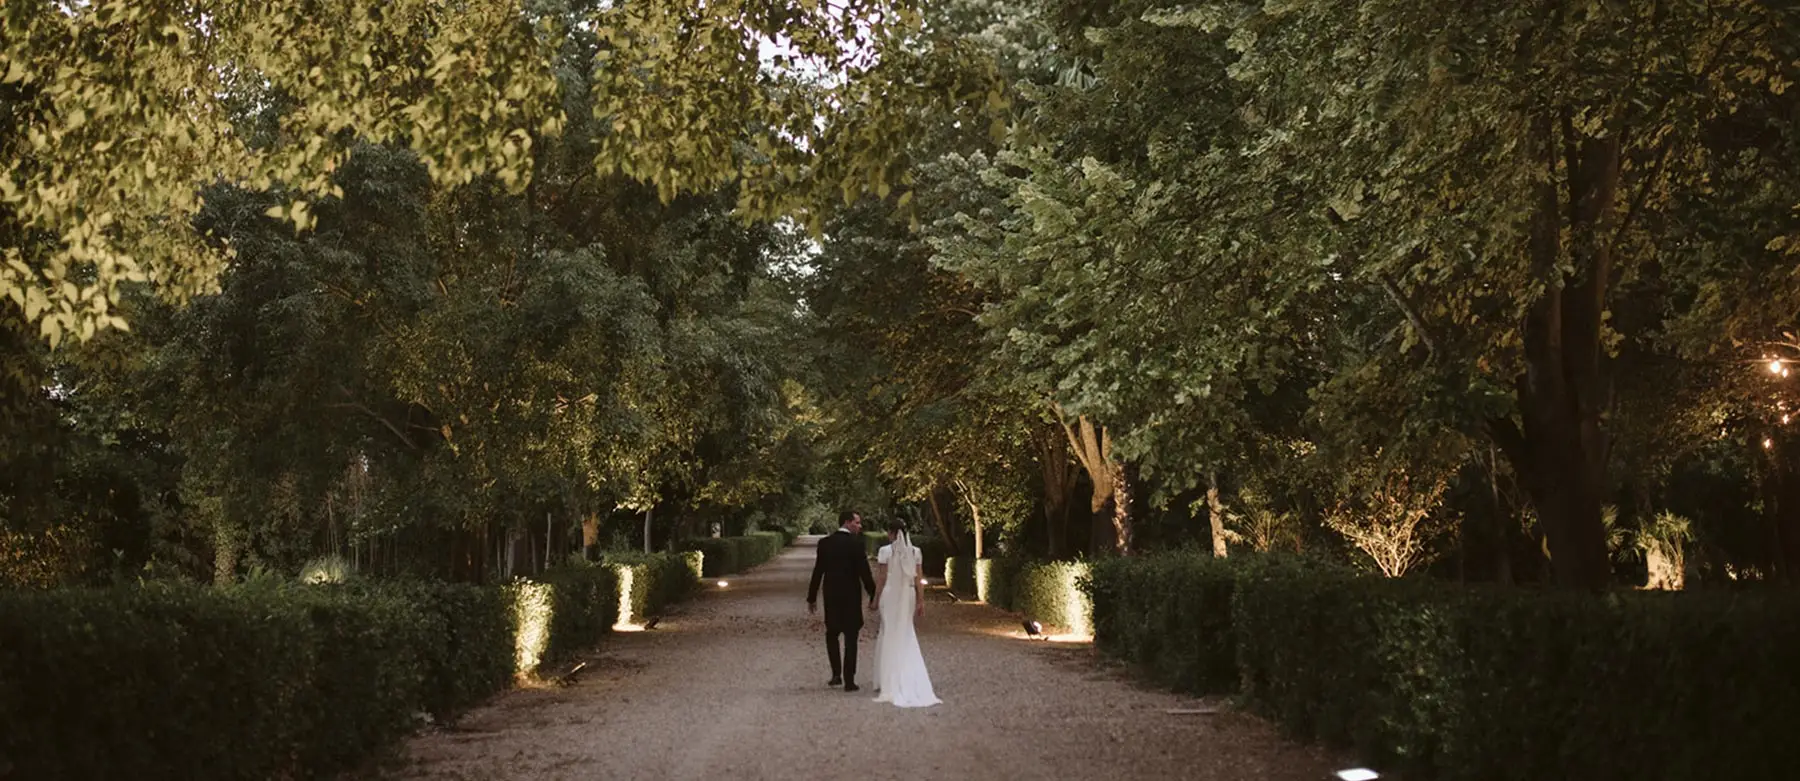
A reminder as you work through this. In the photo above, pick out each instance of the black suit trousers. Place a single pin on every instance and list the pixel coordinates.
(845, 665)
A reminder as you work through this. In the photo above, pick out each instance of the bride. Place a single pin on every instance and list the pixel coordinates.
(900, 668)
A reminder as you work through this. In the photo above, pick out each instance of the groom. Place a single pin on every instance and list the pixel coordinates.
(844, 569)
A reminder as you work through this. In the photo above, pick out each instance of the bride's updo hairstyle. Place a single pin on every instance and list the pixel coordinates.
(896, 526)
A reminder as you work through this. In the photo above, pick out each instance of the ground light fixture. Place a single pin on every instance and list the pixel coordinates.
(723, 584)
(1357, 774)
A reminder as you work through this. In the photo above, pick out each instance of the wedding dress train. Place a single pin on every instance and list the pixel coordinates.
(900, 665)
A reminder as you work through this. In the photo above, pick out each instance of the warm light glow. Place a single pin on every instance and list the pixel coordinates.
(1775, 366)
(1768, 443)
(924, 582)
(1784, 420)
(627, 579)
(1075, 602)
(723, 584)
(531, 616)
(1358, 774)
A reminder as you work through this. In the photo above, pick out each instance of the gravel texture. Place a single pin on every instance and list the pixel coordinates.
(732, 685)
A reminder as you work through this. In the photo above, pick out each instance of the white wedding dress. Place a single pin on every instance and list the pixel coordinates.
(899, 665)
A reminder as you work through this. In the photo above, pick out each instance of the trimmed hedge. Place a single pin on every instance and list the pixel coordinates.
(1171, 614)
(290, 681)
(1445, 682)
(731, 555)
(1050, 593)
(657, 580)
(190, 682)
(987, 580)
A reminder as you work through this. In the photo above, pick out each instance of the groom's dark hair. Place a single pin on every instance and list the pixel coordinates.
(846, 517)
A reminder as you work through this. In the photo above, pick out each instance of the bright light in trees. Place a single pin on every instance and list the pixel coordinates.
(1768, 443)
(1775, 366)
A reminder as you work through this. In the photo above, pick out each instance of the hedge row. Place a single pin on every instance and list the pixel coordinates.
(657, 581)
(1047, 592)
(986, 580)
(182, 681)
(1444, 682)
(731, 555)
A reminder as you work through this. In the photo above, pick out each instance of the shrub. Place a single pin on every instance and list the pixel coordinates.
(473, 655)
(583, 604)
(1440, 681)
(277, 680)
(1170, 614)
(719, 555)
(1049, 592)
(987, 580)
(178, 681)
(657, 580)
(994, 580)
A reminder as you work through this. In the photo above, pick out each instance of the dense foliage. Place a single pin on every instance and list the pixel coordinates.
(1470, 683)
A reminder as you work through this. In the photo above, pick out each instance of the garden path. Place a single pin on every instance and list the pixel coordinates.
(732, 685)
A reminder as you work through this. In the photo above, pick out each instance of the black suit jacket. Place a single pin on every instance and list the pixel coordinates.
(844, 570)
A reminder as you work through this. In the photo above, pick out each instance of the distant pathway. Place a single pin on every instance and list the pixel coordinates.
(732, 685)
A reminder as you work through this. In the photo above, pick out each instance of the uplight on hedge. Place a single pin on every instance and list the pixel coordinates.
(627, 618)
(531, 612)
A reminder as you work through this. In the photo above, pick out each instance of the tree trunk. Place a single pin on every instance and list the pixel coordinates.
(590, 536)
(1111, 502)
(1215, 511)
(1059, 485)
(647, 513)
(1502, 538)
(1561, 451)
(1784, 516)
(968, 495)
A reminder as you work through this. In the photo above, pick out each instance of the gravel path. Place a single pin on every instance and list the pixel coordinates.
(733, 686)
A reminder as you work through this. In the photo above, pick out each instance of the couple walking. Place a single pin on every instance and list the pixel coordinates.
(842, 568)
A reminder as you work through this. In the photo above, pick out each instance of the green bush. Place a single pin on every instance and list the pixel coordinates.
(988, 580)
(1170, 614)
(719, 555)
(995, 580)
(473, 657)
(584, 605)
(189, 682)
(959, 575)
(731, 555)
(278, 680)
(1049, 593)
(658, 580)
(1444, 682)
